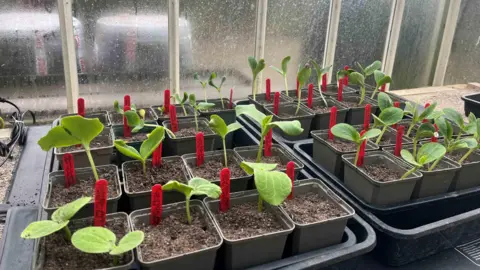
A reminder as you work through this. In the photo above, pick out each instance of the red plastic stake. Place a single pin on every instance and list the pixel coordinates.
(68, 170)
(345, 79)
(399, 141)
(157, 156)
(100, 203)
(81, 106)
(230, 104)
(200, 148)
(225, 186)
(298, 87)
(126, 100)
(426, 106)
(435, 139)
(173, 118)
(166, 101)
(156, 205)
(127, 131)
(383, 87)
(361, 154)
(333, 122)
(340, 90)
(268, 92)
(276, 103)
(310, 95)
(267, 150)
(366, 117)
(324, 82)
(291, 174)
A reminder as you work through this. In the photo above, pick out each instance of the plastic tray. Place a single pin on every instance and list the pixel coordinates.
(472, 104)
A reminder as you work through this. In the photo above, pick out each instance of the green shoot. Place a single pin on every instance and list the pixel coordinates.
(369, 70)
(196, 186)
(182, 101)
(428, 113)
(256, 68)
(203, 83)
(137, 120)
(425, 130)
(219, 87)
(197, 107)
(2, 123)
(388, 117)
(218, 125)
(380, 79)
(302, 77)
(428, 153)
(320, 72)
(283, 71)
(474, 128)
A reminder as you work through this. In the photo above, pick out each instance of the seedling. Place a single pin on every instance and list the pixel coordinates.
(476, 136)
(74, 130)
(96, 240)
(457, 118)
(428, 113)
(380, 80)
(358, 78)
(320, 72)
(218, 125)
(195, 186)
(451, 144)
(219, 87)
(2, 123)
(283, 71)
(182, 101)
(389, 116)
(203, 83)
(369, 70)
(256, 68)
(292, 128)
(272, 186)
(302, 77)
(425, 130)
(197, 107)
(347, 132)
(119, 110)
(148, 146)
(137, 120)
(428, 153)
(60, 219)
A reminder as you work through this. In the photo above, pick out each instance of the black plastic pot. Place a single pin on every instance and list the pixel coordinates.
(466, 177)
(58, 178)
(316, 235)
(100, 155)
(236, 184)
(393, 96)
(332, 90)
(228, 115)
(304, 92)
(472, 104)
(392, 135)
(142, 199)
(322, 120)
(261, 101)
(243, 253)
(355, 114)
(103, 116)
(162, 117)
(184, 145)
(305, 116)
(327, 156)
(150, 117)
(378, 192)
(118, 131)
(198, 259)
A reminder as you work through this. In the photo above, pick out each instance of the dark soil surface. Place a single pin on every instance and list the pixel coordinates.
(61, 254)
(291, 113)
(381, 172)
(85, 186)
(117, 119)
(138, 182)
(136, 137)
(103, 140)
(354, 104)
(312, 207)
(211, 169)
(173, 236)
(388, 139)
(320, 109)
(440, 165)
(456, 156)
(244, 220)
(192, 132)
(343, 146)
(271, 159)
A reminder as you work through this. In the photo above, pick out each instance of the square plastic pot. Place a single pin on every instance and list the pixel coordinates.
(247, 252)
(392, 134)
(236, 184)
(391, 95)
(326, 155)
(142, 199)
(472, 104)
(320, 234)
(355, 115)
(378, 192)
(322, 120)
(160, 117)
(58, 178)
(277, 150)
(261, 101)
(118, 131)
(199, 259)
(39, 248)
(304, 91)
(228, 115)
(305, 116)
(103, 116)
(467, 176)
(185, 145)
(150, 117)
(100, 155)
(332, 91)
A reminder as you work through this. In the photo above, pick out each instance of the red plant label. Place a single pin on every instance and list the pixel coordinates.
(81, 106)
(333, 121)
(166, 101)
(68, 170)
(361, 153)
(268, 92)
(127, 131)
(173, 118)
(200, 148)
(230, 104)
(426, 106)
(366, 117)
(340, 90)
(298, 87)
(291, 175)
(157, 157)
(156, 205)
(100, 203)
(276, 103)
(434, 137)
(310, 95)
(399, 140)
(267, 150)
(126, 100)
(345, 79)
(225, 186)
(383, 87)
(324, 82)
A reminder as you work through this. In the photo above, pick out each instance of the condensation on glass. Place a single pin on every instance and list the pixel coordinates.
(222, 36)
(296, 29)
(464, 61)
(418, 44)
(362, 32)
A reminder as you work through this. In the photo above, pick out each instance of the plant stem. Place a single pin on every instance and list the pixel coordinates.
(466, 155)
(374, 92)
(225, 152)
(409, 172)
(410, 128)
(221, 99)
(189, 218)
(320, 90)
(205, 92)
(459, 134)
(68, 233)
(196, 120)
(254, 88)
(435, 163)
(184, 111)
(144, 166)
(381, 134)
(90, 159)
(286, 84)
(260, 149)
(362, 95)
(356, 155)
(260, 203)
(415, 147)
(115, 260)
(299, 98)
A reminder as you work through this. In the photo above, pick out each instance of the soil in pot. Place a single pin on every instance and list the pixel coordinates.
(174, 236)
(261, 99)
(61, 254)
(192, 132)
(117, 118)
(136, 137)
(211, 168)
(343, 145)
(7, 170)
(271, 159)
(85, 186)
(103, 140)
(389, 138)
(311, 207)
(179, 109)
(381, 172)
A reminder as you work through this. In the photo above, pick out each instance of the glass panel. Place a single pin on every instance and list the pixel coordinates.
(298, 30)
(362, 32)
(418, 42)
(222, 36)
(464, 61)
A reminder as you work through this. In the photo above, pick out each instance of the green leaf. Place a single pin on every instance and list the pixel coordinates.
(195, 76)
(221, 82)
(384, 101)
(471, 127)
(250, 111)
(205, 105)
(347, 132)
(204, 187)
(154, 139)
(94, 240)
(67, 211)
(457, 145)
(233, 126)
(425, 130)
(39, 229)
(285, 63)
(469, 143)
(325, 70)
(128, 242)
(356, 78)
(249, 167)
(277, 70)
(273, 187)
(432, 151)
(213, 76)
(177, 186)
(477, 133)
(391, 116)
(304, 75)
(455, 117)
(133, 119)
(127, 150)
(372, 67)
(410, 108)
(252, 62)
(217, 124)
(444, 128)
(427, 112)
(57, 137)
(292, 128)
(117, 107)
(381, 78)
(434, 115)
(133, 107)
(377, 122)
(371, 133)
(408, 157)
(260, 66)
(192, 100)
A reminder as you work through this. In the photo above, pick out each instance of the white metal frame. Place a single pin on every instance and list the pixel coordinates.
(260, 33)
(174, 45)
(332, 33)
